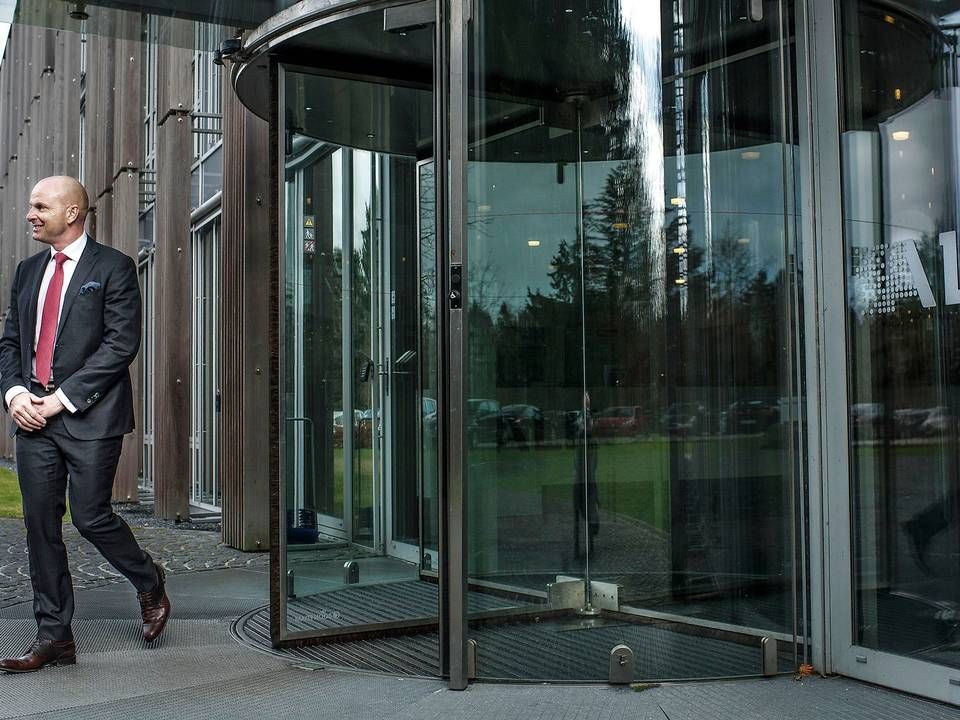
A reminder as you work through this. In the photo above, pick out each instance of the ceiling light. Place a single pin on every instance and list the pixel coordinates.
(533, 243)
(620, 226)
(750, 154)
(901, 135)
(679, 250)
(743, 241)
(677, 201)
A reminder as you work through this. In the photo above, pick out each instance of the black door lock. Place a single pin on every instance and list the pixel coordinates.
(456, 287)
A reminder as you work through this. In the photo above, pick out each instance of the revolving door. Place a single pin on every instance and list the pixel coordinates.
(538, 412)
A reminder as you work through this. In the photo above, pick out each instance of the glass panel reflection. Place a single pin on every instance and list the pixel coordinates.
(900, 199)
(630, 371)
(359, 376)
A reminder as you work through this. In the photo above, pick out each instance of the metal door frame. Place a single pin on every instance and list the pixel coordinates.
(831, 538)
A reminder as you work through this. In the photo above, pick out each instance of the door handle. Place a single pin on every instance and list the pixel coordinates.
(756, 10)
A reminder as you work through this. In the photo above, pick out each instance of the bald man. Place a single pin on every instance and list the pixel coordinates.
(71, 332)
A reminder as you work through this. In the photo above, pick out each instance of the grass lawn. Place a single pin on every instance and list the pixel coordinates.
(10, 506)
(10, 501)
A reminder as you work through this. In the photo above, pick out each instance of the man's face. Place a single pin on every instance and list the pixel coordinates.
(51, 213)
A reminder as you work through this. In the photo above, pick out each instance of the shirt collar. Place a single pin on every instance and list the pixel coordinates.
(74, 250)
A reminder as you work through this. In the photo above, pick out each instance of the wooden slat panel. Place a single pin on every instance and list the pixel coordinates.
(124, 225)
(173, 292)
(244, 353)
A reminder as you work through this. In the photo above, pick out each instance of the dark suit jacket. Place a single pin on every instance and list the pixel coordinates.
(97, 338)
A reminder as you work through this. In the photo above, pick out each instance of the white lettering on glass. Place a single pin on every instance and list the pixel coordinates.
(951, 284)
(916, 272)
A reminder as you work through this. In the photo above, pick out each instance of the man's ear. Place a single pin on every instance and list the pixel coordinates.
(73, 212)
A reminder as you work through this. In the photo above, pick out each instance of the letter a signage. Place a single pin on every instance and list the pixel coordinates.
(951, 280)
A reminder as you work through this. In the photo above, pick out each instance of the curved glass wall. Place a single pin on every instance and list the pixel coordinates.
(631, 365)
(631, 370)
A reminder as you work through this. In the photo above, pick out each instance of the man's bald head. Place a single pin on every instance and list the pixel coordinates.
(70, 191)
(58, 209)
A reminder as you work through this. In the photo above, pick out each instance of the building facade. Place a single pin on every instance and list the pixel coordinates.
(134, 106)
(552, 339)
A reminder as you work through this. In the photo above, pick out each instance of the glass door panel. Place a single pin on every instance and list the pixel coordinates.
(204, 488)
(357, 372)
(316, 422)
(900, 199)
(630, 368)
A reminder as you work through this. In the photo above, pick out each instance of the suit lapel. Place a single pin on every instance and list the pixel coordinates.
(87, 262)
(31, 289)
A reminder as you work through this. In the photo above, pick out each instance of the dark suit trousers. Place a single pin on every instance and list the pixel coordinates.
(45, 458)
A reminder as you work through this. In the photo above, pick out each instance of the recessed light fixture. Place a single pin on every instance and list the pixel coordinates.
(681, 281)
(743, 241)
(568, 11)
(677, 201)
(308, 109)
(679, 250)
(889, 19)
(620, 226)
(750, 154)
(533, 243)
(901, 135)
(371, 136)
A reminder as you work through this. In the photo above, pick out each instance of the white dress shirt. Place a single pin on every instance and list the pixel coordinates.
(73, 251)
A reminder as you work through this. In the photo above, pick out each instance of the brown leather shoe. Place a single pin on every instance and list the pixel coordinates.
(42, 652)
(154, 608)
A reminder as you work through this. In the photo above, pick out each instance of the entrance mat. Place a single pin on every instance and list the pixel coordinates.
(565, 649)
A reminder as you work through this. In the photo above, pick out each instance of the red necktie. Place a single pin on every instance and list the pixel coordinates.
(48, 325)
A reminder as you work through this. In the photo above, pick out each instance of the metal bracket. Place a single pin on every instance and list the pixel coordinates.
(351, 572)
(768, 647)
(621, 665)
(566, 593)
(471, 659)
(605, 596)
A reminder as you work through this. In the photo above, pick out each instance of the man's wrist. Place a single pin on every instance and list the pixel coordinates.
(13, 392)
(61, 396)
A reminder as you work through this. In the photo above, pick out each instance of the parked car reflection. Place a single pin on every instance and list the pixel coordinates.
(621, 421)
(939, 421)
(749, 416)
(489, 423)
(866, 420)
(687, 418)
(907, 421)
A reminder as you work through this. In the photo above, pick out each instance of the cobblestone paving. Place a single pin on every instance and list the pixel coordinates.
(178, 549)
